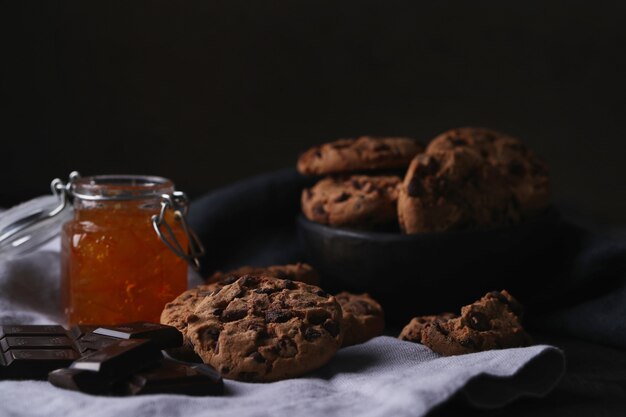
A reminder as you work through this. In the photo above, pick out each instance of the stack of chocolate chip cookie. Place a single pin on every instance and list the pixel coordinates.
(266, 324)
(346, 196)
(465, 178)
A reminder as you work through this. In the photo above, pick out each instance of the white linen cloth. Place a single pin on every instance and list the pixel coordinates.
(383, 377)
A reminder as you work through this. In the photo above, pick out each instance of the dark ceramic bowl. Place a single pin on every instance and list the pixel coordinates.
(433, 272)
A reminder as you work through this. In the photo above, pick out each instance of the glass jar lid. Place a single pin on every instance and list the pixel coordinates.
(33, 223)
(120, 187)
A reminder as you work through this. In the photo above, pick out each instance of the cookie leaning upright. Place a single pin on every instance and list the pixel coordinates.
(452, 189)
(357, 201)
(524, 172)
(266, 329)
(358, 154)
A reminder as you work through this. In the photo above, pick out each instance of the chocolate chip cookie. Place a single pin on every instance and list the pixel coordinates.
(296, 272)
(524, 172)
(176, 311)
(412, 332)
(359, 154)
(363, 317)
(266, 329)
(358, 201)
(454, 189)
(493, 322)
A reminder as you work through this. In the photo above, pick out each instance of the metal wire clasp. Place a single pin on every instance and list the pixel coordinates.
(179, 204)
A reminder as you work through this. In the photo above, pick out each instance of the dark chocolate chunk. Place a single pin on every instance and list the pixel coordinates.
(278, 316)
(34, 363)
(170, 377)
(249, 281)
(257, 357)
(457, 141)
(311, 334)
(35, 342)
(415, 188)
(267, 290)
(439, 327)
(356, 184)
(31, 330)
(478, 321)
(319, 209)
(332, 327)
(82, 380)
(344, 196)
(429, 166)
(287, 348)
(232, 315)
(321, 293)
(317, 316)
(121, 358)
(289, 284)
(31, 351)
(514, 306)
(163, 336)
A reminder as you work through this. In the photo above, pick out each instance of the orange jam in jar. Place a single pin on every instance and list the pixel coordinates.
(115, 267)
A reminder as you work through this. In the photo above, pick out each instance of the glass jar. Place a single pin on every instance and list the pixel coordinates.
(115, 267)
(125, 244)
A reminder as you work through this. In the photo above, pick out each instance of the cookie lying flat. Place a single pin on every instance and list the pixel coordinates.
(493, 322)
(449, 190)
(363, 317)
(266, 329)
(175, 312)
(296, 272)
(358, 201)
(364, 153)
(412, 332)
(524, 172)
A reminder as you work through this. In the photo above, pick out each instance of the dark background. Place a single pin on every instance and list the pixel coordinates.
(208, 92)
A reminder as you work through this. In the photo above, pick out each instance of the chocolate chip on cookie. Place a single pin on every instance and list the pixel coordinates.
(363, 317)
(359, 154)
(358, 201)
(412, 332)
(524, 172)
(452, 189)
(264, 329)
(493, 322)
